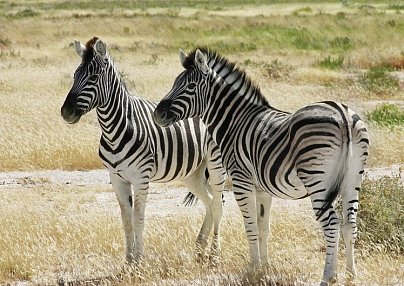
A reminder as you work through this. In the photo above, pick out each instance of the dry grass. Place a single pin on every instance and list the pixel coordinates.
(51, 234)
(37, 64)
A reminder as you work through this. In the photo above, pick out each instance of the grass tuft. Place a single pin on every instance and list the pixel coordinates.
(387, 115)
(378, 80)
(331, 63)
(342, 43)
(381, 215)
(26, 13)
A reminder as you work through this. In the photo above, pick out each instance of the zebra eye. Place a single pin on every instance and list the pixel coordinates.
(93, 78)
(192, 85)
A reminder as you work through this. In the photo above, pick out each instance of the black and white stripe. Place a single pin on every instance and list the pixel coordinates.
(319, 151)
(136, 151)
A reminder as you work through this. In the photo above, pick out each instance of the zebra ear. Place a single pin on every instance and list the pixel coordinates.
(79, 48)
(201, 62)
(100, 48)
(183, 57)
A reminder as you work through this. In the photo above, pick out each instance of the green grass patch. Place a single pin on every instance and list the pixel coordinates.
(379, 80)
(303, 10)
(387, 115)
(26, 13)
(396, 7)
(381, 215)
(330, 62)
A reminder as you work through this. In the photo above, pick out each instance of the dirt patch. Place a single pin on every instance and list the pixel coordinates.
(164, 200)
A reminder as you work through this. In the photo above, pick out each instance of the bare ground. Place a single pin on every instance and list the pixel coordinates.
(163, 200)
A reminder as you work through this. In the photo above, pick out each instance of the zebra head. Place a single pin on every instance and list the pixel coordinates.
(187, 97)
(88, 90)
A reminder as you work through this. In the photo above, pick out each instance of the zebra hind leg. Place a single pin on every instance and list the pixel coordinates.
(351, 188)
(197, 185)
(330, 226)
(350, 203)
(217, 210)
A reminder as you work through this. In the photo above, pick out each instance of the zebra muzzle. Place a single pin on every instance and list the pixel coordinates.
(162, 114)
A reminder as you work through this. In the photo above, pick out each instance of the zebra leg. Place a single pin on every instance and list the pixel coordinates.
(197, 184)
(352, 184)
(139, 206)
(217, 178)
(330, 225)
(125, 199)
(244, 194)
(217, 209)
(350, 205)
(264, 202)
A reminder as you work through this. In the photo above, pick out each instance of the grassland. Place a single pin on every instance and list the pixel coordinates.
(298, 52)
(37, 63)
(73, 234)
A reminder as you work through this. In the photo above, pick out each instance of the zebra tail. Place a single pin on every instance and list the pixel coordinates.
(190, 200)
(346, 153)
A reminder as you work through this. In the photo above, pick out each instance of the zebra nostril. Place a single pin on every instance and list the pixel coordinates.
(164, 114)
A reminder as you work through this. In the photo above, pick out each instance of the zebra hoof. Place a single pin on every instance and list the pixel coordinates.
(331, 281)
(214, 260)
(200, 257)
(351, 274)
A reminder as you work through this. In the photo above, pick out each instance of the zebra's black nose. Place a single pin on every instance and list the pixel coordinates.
(69, 114)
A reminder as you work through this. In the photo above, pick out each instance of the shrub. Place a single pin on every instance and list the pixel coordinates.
(26, 13)
(379, 80)
(381, 215)
(306, 10)
(387, 115)
(331, 63)
(341, 43)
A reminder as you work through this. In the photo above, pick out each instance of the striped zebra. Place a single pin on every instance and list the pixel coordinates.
(136, 151)
(319, 151)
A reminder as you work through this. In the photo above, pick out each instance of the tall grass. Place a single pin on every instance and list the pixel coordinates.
(381, 215)
(52, 234)
(37, 64)
(379, 80)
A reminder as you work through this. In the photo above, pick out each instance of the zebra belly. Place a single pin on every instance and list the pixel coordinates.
(179, 151)
(292, 188)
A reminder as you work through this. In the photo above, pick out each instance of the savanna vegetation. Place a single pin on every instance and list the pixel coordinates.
(297, 51)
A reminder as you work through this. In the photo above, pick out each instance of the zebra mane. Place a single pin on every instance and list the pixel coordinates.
(214, 59)
(89, 53)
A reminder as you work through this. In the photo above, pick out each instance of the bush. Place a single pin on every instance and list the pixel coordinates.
(331, 63)
(342, 43)
(387, 115)
(379, 80)
(381, 215)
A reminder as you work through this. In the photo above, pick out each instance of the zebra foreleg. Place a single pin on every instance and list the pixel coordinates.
(125, 199)
(139, 207)
(245, 196)
(264, 202)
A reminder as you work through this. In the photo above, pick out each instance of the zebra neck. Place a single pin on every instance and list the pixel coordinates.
(115, 117)
(229, 108)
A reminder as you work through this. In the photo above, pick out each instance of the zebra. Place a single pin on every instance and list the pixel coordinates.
(136, 151)
(319, 151)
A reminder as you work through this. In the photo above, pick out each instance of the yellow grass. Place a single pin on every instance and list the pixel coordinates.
(51, 233)
(54, 233)
(38, 62)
